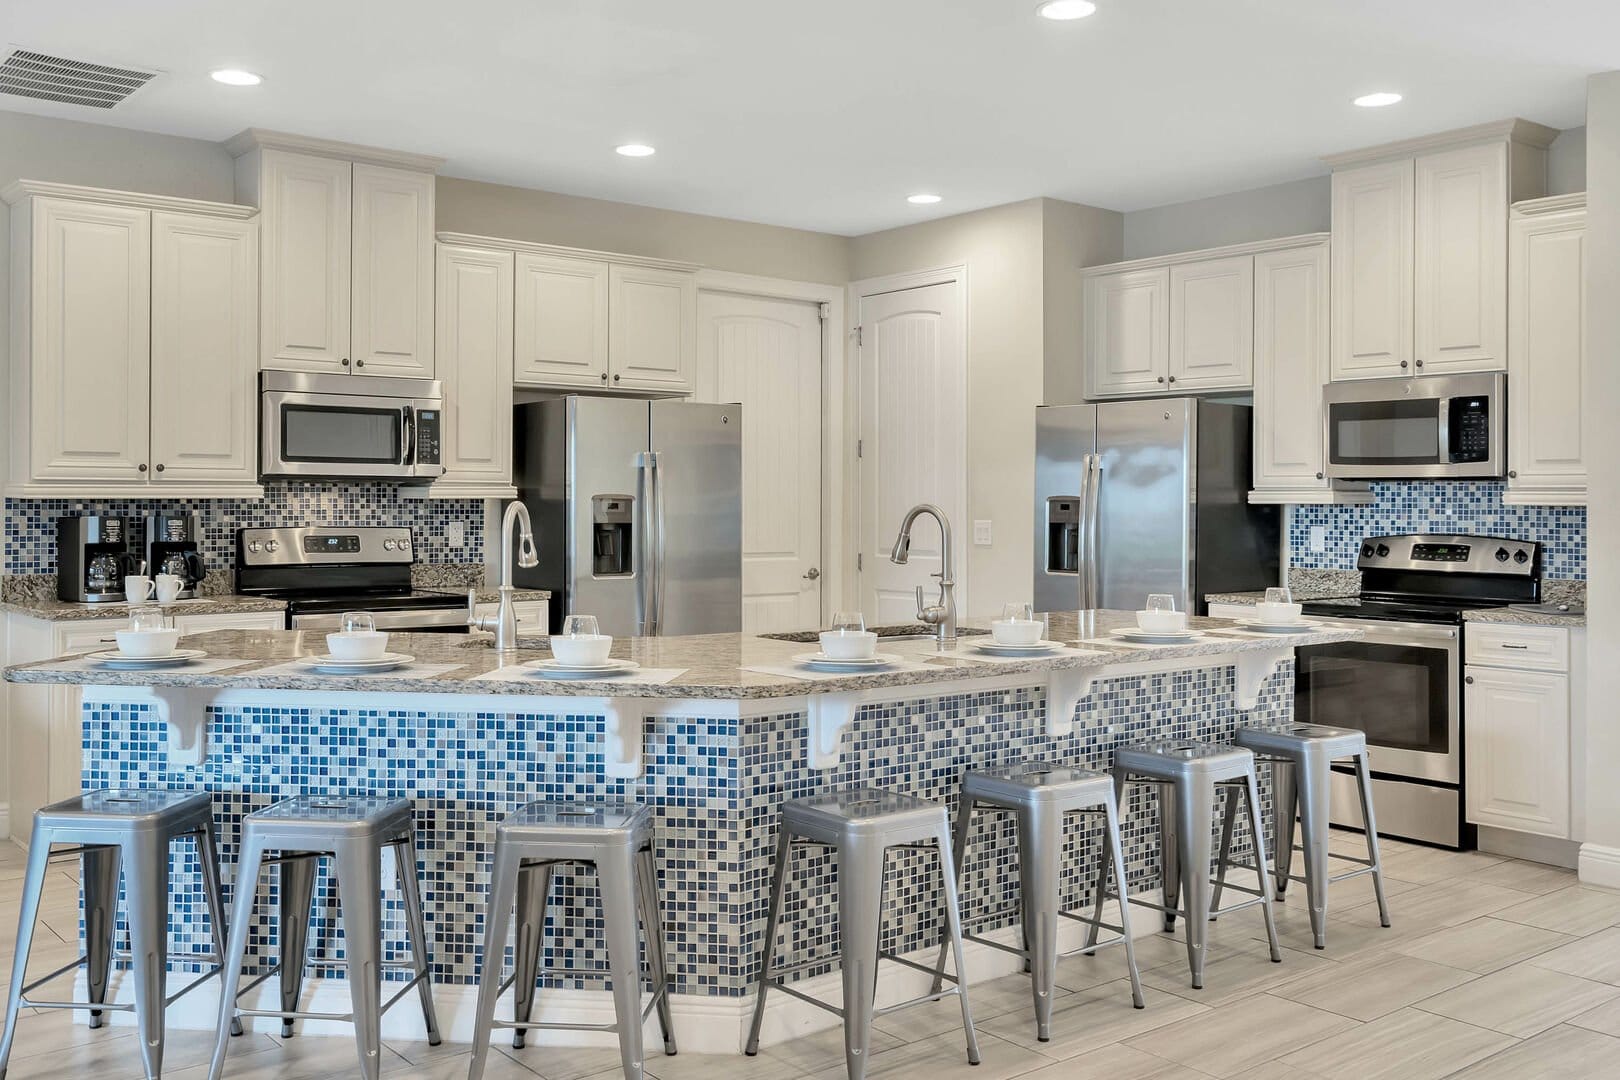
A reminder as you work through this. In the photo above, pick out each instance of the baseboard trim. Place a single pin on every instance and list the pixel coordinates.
(1542, 849)
(1600, 866)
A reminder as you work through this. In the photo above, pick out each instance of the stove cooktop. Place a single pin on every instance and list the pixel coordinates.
(309, 602)
(1444, 612)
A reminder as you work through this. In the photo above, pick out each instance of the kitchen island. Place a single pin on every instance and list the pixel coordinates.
(714, 731)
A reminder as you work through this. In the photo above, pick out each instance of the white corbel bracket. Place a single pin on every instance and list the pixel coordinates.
(183, 709)
(1064, 689)
(624, 726)
(1254, 667)
(826, 718)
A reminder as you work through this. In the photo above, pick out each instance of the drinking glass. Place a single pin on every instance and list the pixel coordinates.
(1279, 595)
(1018, 612)
(149, 619)
(1161, 602)
(357, 622)
(848, 622)
(579, 626)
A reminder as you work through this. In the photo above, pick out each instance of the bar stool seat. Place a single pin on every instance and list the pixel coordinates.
(352, 831)
(130, 828)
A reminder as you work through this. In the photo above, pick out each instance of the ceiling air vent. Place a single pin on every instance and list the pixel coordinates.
(74, 82)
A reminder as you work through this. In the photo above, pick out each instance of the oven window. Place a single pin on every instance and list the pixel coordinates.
(1384, 433)
(1397, 694)
(340, 435)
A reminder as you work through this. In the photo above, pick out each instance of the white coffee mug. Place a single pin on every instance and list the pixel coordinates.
(138, 589)
(168, 587)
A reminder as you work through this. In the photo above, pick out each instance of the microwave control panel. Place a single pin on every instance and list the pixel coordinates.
(427, 436)
(1470, 430)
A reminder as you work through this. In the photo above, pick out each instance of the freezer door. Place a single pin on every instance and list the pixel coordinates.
(1144, 502)
(697, 518)
(606, 438)
(1065, 439)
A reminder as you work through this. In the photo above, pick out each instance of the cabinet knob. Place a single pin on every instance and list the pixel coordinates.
(1403, 365)
(1513, 474)
(615, 378)
(604, 376)
(1420, 363)
(1161, 378)
(1319, 476)
(1172, 378)
(346, 362)
(1469, 679)
(359, 363)
(160, 468)
(143, 468)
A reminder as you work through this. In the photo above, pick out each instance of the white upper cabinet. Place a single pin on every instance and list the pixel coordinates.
(1372, 271)
(205, 305)
(562, 322)
(1212, 324)
(1127, 332)
(652, 329)
(474, 327)
(1547, 365)
(392, 272)
(306, 203)
(1460, 317)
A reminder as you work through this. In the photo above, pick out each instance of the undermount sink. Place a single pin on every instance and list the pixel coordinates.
(900, 632)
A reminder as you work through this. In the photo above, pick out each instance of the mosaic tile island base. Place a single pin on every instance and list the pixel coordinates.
(720, 747)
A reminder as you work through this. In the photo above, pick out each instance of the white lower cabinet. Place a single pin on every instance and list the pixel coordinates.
(1517, 723)
(531, 615)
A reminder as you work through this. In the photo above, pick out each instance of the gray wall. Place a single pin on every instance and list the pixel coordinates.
(1075, 236)
(1566, 162)
(1300, 206)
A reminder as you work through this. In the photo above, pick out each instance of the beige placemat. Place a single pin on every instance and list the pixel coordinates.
(968, 652)
(302, 669)
(206, 666)
(641, 676)
(799, 671)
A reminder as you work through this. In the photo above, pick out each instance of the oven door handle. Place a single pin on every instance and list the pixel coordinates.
(1406, 632)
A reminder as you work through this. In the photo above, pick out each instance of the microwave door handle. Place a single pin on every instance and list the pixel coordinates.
(1443, 434)
(407, 446)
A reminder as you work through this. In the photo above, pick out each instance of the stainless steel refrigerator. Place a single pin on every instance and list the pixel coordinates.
(1139, 497)
(637, 510)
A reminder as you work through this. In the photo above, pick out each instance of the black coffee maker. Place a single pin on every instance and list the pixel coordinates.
(92, 557)
(173, 546)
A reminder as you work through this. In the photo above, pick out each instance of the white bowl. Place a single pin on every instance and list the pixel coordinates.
(357, 644)
(144, 643)
(582, 648)
(849, 644)
(1161, 622)
(1016, 631)
(1278, 613)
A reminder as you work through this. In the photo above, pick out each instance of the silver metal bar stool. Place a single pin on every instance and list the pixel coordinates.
(615, 837)
(130, 828)
(1188, 774)
(1043, 797)
(1301, 757)
(861, 825)
(353, 831)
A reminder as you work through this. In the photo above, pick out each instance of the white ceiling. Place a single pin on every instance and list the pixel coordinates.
(827, 113)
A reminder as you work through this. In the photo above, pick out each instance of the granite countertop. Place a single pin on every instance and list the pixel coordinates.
(1556, 592)
(54, 610)
(493, 595)
(715, 666)
(1528, 615)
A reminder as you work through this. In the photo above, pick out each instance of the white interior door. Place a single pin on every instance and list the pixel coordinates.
(913, 372)
(765, 353)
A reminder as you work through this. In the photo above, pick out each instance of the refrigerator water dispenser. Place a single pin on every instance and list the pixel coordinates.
(1063, 535)
(612, 535)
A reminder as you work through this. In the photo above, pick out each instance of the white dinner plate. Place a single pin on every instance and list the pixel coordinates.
(1275, 628)
(556, 669)
(112, 658)
(1160, 637)
(996, 648)
(327, 664)
(823, 662)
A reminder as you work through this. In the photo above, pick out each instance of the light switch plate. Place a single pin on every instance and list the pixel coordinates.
(1318, 538)
(455, 534)
(981, 533)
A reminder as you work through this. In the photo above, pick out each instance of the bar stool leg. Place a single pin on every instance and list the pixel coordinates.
(39, 850)
(99, 869)
(1314, 810)
(297, 893)
(767, 950)
(405, 869)
(1253, 791)
(1364, 786)
(146, 871)
(616, 874)
(860, 914)
(1284, 808)
(1224, 855)
(531, 935)
(1170, 855)
(964, 830)
(359, 876)
(1194, 820)
(953, 917)
(652, 919)
(247, 887)
(1040, 849)
(497, 920)
(218, 927)
(1115, 854)
(1113, 847)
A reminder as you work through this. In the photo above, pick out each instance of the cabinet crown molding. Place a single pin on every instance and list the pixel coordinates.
(23, 189)
(260, 139)
(1253, 247)
(1526, 132)
(1552, 204)
(498, 243)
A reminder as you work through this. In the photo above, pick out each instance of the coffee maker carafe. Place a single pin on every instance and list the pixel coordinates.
(173, 546)
(92, 557)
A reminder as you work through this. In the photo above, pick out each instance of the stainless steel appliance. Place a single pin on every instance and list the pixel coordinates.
(344, 427)
(92, 557)
(637, 510)
(1139, 497)
(174, 546)
(324, 571)
(1402, 682)
(1442, 426)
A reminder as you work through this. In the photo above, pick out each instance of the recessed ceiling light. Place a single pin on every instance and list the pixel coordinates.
(922, 199)
(1064, 10)
(1378, 100)
(635, 150)
(236, 77)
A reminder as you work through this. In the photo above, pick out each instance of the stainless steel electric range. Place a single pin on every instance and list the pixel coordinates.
(1402, 683)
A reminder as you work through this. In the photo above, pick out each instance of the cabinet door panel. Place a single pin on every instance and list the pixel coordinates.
(205, 304)
(652, 340)
(1460, 322)
(1290, 367)
(1127, 332)
(561, 322)
(393, 272)
(90, 347)
(1372, 271)
(474, 327)
(305, 206)
(1547, 357)
(1212, 324)
(1518, 751)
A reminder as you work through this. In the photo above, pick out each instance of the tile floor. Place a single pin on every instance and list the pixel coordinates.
(1494, 970)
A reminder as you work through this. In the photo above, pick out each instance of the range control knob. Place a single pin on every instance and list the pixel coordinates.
(1501, 554)
(271, 545)
(1521, 556)
(253, 546)
(1366, 551)
(388, 545)
(1383, 551)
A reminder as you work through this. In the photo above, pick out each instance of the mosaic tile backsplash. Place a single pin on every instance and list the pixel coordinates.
(1442, 506)
(717, 786)
(31, 523)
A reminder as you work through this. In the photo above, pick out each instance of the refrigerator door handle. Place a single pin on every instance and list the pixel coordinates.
(646, 592)
(658, 541)
(1093, 530)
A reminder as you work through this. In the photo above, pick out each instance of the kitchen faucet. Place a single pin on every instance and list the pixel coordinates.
(504, 622)
(941, 616)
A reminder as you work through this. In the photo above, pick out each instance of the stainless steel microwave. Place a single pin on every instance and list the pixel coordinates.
(1436, 427)
(349, 427)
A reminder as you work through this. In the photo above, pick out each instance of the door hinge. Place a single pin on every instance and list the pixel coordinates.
(859, 338)
(826, 310)
(860, 448)
(860, 562)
